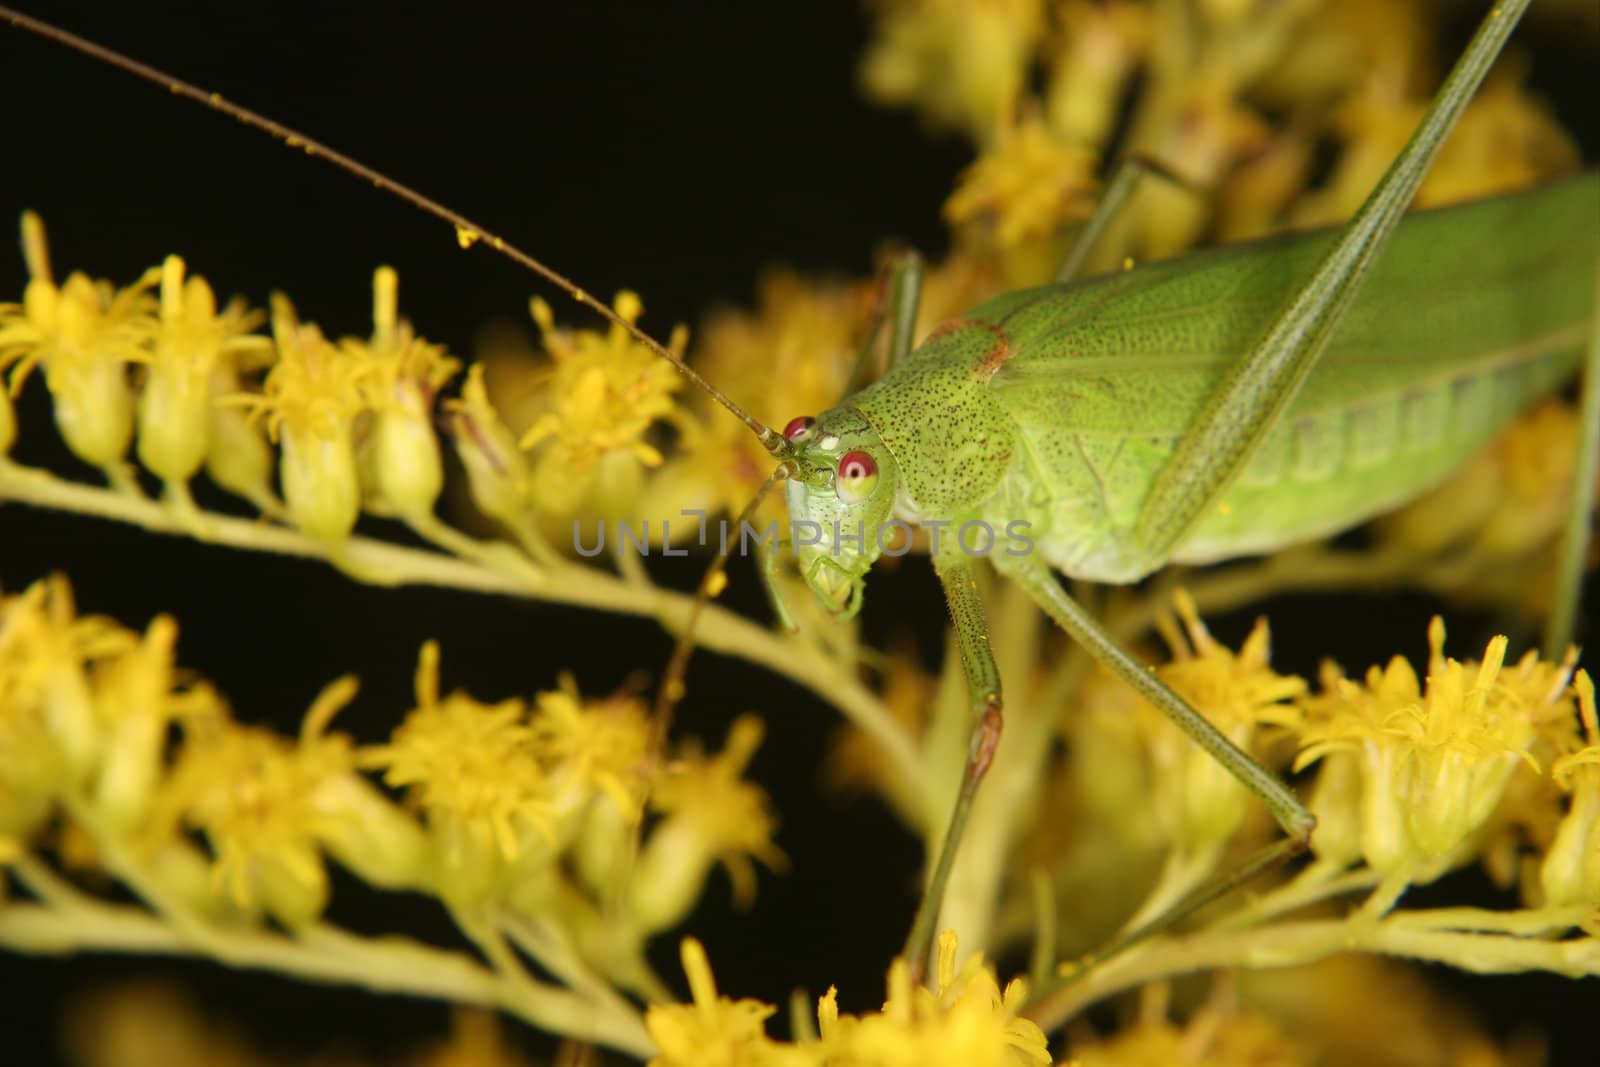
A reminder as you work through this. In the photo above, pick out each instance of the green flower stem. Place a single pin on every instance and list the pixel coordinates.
(1295, 944)
(1530, 922)
(1317, 882)
(719, 630)
(522, 987)
(388, 964)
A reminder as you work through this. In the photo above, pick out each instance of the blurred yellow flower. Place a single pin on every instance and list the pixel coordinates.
(709, 814)
(604, 392)
(1213, 1037)
(53, 732)
(593, 746)
(964, 1020)
(1570, 873)
(714, 1031)
(257, 798)
(1027, 188)
(962, 62)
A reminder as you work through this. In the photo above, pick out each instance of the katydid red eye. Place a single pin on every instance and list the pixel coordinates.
(799, 429)
(858, 476)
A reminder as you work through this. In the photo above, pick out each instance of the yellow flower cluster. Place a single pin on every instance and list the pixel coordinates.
(964, 1019)
(1411, 772)
(1492, 525)
(1235, 99)
(156, 1023)
(1479, 761)
(526, 809)
(353, 420)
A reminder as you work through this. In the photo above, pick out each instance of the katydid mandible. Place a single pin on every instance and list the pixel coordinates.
(1172, 413)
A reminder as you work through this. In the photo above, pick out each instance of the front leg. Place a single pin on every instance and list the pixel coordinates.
(983, 692)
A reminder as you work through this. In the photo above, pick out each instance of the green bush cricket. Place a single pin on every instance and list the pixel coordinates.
(968, 427)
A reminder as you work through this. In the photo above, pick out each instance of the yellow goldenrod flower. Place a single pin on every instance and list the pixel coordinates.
(714, 1031)
(1434, 760)
(954, 287)
(497, 472)
(55, 734)
(1499, 515)
(604, 392)
(1213, 1037)
(1354, 1009)
(474, 771)
(965, 1020)
(1506, 140)
(709, 815)
(1196, 801)
(84, 334)
(1025, 190)
(1334, 51)
(190, 365)
(32, 766)
(597, 755)
(8, 422)
(260, 801)
(593, 746)
(1096, 51)
(792, 356)
(239, 458)
(1570, 873)
(961, 63)
(136, 696)
(311, 400)
(406, 373)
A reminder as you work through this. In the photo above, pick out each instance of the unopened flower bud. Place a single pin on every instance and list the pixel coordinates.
(671, 871)
(238, 457)
(1570, 874)
(497, 471)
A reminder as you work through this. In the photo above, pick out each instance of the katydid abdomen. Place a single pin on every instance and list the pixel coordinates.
(1060, 405)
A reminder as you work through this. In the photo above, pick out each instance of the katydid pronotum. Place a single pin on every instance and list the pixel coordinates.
(950, 427)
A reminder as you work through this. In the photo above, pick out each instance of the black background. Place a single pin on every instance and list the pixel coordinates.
(674, 149)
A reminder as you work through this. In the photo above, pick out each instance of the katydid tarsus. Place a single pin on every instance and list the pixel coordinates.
(1097, 412)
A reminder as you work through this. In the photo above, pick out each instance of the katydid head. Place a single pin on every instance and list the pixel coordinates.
(841, 497)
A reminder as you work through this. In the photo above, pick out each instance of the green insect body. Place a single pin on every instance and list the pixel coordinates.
(1058, 406)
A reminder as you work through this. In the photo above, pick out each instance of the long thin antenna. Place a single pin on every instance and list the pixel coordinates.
(467, 232)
